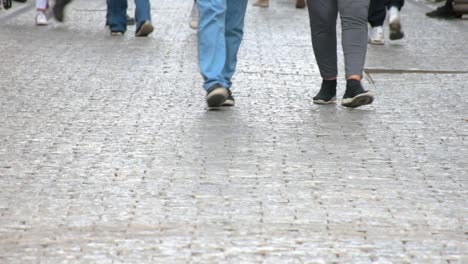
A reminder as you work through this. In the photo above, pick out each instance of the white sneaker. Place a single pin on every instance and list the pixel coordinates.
(393, 15)
(193, 23)
(41, 19)
(376, 36)
(394, 23)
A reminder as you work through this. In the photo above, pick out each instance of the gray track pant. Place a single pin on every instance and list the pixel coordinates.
(323, 16)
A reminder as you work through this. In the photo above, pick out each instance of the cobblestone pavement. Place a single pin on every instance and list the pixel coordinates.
(108, 154)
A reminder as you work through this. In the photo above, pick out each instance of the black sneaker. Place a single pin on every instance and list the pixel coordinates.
(327, 93)
(445, 11)
(58, 9)
(216, 95)
(230, 100)
(355, 95)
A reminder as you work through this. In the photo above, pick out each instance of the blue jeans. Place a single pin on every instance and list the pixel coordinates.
(117, 14)
(220, 31)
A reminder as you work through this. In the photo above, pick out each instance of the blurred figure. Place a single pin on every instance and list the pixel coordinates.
(266, 3)
(378, 13)
(130, 20)
(323, 17)
(446, 11)
(58, 9)
(220, 33)
(193, 22)
(5, 4)
(117, 17)
(41, 7)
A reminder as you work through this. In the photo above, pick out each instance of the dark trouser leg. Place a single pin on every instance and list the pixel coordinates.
(323, 15)
(377, 13)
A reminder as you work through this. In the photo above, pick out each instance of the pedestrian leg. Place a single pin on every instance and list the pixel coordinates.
(116, 13)
(234, 31)
(143, 18)
(376, 18)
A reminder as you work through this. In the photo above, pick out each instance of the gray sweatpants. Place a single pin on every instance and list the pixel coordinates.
(323, 16)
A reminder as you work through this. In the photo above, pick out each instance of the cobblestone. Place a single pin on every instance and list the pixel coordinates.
(108, 155)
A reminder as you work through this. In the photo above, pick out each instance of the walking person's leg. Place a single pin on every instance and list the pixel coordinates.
(143, 18)
(59, 9)
(394, 22)
(396, 3)
(323, 15)
(376, 18)
(234, 32)
(41, 7)
(353, 16)
(212, 49)
(445, 11)
(116, 13)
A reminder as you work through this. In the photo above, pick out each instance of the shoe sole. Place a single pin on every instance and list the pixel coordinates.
(373, 42)
(217, 97)
(358, 100)
(145, 30)
(228, 103)
(322, 102)
(395, 30)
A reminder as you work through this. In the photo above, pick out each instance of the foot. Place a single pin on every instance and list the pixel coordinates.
(145, 29)
(130, 20)
(394, 23)
(262, 3)
(445, 11)
(355, 95)
(376, 36)
(230, 100)
(327, 93)
(193, 23)
(41, 19)
(58, 9)
(216, 95)
(300, 3)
